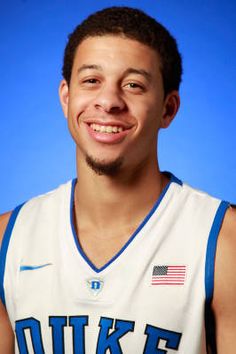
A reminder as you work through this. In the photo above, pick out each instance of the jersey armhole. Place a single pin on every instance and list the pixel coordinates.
(4, 249)
(209, 275)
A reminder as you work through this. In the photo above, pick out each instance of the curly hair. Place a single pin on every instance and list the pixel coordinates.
(134, 24)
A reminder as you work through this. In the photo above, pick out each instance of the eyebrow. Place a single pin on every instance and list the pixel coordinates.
(89, 66)
(128, 71)
(142, 72)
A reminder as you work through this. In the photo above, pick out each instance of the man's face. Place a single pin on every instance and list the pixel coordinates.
(115, 103)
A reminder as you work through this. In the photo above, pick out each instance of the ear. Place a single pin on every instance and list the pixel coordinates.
(64, 96)
(171, 107)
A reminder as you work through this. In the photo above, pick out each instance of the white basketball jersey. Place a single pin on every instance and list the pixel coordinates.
(152, 297)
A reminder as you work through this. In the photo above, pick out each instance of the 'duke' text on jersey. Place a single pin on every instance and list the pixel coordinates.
(111, 332)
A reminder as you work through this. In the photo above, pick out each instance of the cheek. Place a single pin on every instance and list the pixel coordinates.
(77, 106)
(148, 109)
(150, 119)
(154, 113)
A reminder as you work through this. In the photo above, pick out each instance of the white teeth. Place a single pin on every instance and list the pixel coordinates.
(106, 128)
(109, 129)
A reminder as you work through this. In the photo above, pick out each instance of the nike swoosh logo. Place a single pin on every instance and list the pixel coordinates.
(29, 267)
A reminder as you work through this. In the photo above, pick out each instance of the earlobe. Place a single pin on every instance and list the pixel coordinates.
(64, 96)
(171, 107)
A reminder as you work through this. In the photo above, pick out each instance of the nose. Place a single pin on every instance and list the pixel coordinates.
(109, 100)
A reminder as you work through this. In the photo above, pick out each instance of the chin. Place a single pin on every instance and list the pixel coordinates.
(105, 168)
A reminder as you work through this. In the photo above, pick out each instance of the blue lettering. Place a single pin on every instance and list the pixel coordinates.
(78, 323)
(158, 341)
(58, 323)
(35, 332)
(111, 341)
(155, 334)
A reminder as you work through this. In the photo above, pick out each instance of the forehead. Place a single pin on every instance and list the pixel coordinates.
(110, 51)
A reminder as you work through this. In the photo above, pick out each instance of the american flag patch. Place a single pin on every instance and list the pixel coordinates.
(168, 275)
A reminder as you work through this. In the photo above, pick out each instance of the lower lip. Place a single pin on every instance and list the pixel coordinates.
(107, 138)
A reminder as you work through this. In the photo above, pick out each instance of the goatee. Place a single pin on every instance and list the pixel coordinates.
(104, 168)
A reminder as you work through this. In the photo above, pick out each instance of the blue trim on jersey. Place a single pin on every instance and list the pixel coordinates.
(173, 179)
(209, 276)
(211, 250)
(4, 248)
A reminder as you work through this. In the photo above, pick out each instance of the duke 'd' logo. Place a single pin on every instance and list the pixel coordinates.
(95, 285)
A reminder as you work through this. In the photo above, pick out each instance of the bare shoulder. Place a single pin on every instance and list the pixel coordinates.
(224, 298)
(226, 249)
(4, 218)
(7, 336)
(226, 257)
(228, 227)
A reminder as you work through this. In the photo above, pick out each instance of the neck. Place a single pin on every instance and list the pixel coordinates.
(102, 200)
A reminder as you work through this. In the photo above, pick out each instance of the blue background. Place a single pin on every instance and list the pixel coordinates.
(37, 152)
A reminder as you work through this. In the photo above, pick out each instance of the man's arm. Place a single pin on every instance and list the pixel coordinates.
(224, 298)
(6, 333)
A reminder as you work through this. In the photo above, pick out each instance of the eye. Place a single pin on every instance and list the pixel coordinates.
(90, 81)
(134, 87)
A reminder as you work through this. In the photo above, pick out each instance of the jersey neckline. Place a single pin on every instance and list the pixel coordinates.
(172, 179)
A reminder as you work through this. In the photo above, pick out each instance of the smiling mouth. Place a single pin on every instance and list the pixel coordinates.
(109, 129)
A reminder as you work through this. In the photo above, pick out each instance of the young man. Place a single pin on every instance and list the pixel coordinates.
(124, 259)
